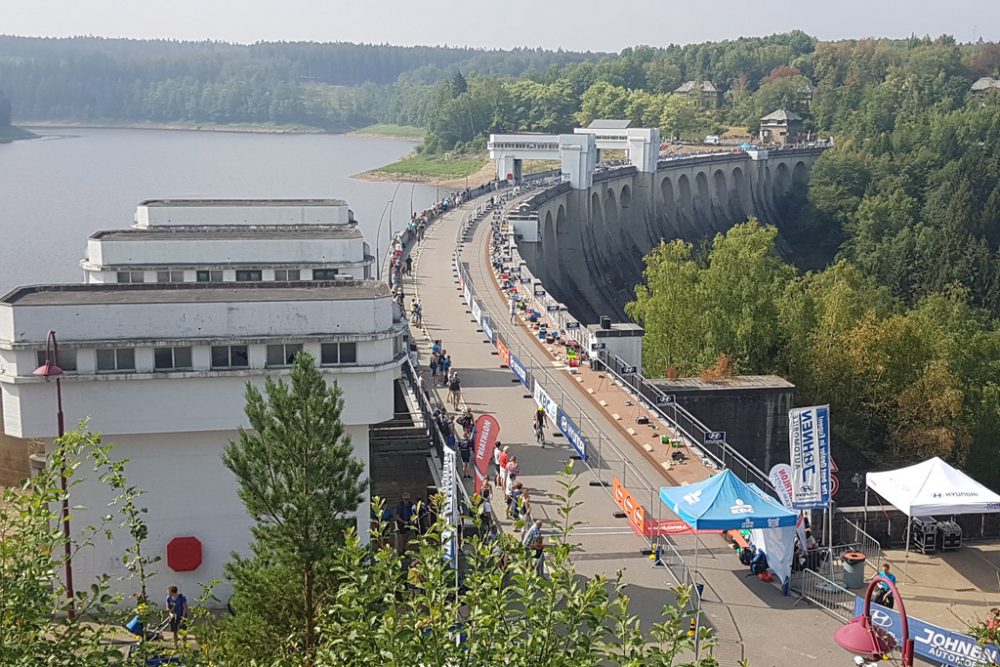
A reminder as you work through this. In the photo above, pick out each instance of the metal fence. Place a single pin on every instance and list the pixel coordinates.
(851, 532)
(595, 448)
(824, 593)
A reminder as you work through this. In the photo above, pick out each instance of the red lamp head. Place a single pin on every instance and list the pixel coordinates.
(860, 637)
(47, 370)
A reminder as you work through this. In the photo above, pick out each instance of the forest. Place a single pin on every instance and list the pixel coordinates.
(890, 309)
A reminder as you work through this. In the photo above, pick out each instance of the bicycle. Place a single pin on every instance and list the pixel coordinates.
(539, 435)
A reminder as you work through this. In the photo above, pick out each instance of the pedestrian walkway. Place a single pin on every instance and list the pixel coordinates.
(750, 618)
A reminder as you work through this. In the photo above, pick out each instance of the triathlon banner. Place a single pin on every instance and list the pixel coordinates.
(503, 351)
(487, 432)
(809, 445)
(781, 479)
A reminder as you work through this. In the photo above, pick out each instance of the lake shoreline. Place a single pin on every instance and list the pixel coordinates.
(174, 127)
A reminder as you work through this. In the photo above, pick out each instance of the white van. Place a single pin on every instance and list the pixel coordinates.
(713, 140)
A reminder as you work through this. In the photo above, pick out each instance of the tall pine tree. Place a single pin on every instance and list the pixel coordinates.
(299, 483)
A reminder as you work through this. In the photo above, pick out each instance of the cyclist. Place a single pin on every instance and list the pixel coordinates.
(540, 426)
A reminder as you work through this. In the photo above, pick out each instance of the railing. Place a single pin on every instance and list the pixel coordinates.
(599, 453)
(829, 596)
(868, 545)
(720, 453)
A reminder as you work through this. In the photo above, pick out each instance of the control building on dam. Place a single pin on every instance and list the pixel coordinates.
(585, 238)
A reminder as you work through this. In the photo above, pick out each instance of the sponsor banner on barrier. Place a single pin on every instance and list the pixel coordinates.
(572, 433)
(461, 278)
(518, 369)
(503, 351)
(487, 328)
(477, 312)
(543, 400)
(487, 432)
(940, 646)
(450, 507)
(809, 445)
(633, 509)
(468, 296)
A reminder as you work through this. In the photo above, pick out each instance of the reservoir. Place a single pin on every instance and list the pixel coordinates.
(57, 190)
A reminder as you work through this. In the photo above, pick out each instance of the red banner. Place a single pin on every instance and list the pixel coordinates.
(487, 432)
(636, 515)
(503, 352)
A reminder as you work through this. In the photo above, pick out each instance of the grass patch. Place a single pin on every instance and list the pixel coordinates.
(396, 131)
(436, 166)
(535, 166)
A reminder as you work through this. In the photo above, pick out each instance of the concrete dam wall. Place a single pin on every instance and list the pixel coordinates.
(590, 243)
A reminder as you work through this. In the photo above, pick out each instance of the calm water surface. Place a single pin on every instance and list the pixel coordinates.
(56, 191)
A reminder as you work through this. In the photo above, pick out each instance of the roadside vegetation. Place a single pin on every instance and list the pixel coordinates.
(392, 131)
(311, 593)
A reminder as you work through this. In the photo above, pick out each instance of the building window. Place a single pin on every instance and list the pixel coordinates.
(230, 356)
(325, 274)
(116, 360)
(169, 276)
(209, 276)
(172, 358)
(338, 354)
(285, 275)
(282, 355)
(67, 360)
(131, 277)
(247, 276)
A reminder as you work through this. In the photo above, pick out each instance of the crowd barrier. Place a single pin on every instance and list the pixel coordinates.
(636, 496)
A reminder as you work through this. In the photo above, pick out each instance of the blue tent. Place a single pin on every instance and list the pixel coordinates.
(724, 502)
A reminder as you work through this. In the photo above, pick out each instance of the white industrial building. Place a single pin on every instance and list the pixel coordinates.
(160, 368)
(224, 240)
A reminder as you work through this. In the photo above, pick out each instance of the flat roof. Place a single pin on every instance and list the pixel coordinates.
(227, 232)
(243, 202)
(608, 124)
(735, 382)
(113, 294)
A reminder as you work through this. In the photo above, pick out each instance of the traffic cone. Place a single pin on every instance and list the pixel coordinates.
(692, 628)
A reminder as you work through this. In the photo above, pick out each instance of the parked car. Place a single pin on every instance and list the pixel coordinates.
(713, 140)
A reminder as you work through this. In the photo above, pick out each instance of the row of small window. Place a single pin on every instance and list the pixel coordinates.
(245, 276)
(120, 360)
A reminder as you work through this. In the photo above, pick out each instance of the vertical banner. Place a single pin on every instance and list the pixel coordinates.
(487, 432)
(809, 445)
(781, 479)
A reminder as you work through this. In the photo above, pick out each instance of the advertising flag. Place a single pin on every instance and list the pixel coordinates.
(487, 432)
(809, 445)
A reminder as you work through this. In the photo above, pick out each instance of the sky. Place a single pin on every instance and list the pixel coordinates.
(578, 25)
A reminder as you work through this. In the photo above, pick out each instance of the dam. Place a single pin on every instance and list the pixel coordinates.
(585, 238)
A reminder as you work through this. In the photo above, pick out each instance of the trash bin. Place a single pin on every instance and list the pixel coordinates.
(854, 569)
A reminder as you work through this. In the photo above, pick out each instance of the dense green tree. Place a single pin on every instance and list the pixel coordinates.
(301, 487)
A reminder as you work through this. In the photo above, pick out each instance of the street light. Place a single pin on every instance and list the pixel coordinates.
(868, 641)
(50, 369)
(378, 232)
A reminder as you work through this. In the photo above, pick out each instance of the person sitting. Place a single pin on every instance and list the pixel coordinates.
(758, 565)
(883, 594)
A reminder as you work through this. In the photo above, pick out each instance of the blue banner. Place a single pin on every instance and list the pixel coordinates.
(518, 369)
(809, 449)
(941, 646)
(572, 433)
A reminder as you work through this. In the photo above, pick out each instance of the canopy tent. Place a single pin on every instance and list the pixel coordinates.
(931, 487)
(724, 502)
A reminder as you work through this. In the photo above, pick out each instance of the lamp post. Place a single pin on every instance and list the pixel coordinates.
(378, 232)
(861, 637)
(50, 369)
(378, 239)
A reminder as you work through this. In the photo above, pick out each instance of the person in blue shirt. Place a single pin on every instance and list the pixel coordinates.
(882, 594)
(177, 606)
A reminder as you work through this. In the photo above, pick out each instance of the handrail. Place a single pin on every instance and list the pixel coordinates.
(607, 461)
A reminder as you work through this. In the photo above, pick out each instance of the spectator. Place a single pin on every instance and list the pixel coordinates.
(455, 390)
(533, 541)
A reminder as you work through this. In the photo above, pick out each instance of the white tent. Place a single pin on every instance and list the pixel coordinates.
(931, 487)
